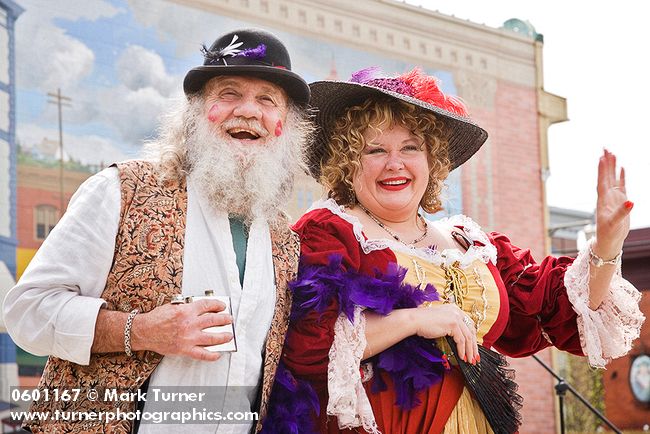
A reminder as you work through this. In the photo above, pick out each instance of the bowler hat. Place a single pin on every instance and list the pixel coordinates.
(248, 52)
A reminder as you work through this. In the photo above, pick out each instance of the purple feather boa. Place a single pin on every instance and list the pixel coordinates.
(318, 286)
(292, 406)
(415, 363)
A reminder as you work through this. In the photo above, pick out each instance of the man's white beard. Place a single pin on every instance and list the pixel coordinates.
(247, 180)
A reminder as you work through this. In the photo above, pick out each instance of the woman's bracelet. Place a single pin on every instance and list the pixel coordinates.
(598, 262)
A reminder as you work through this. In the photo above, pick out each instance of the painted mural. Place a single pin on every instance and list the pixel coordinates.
(117, 64)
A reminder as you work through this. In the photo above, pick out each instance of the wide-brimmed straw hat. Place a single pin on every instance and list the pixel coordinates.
(248, 52)
(330, 99)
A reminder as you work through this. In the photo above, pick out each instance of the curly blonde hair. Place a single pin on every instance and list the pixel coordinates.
(342, 161)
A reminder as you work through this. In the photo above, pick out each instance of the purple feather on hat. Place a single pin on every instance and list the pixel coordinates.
(393, 85)
(362, 76)
(258, 52)
(370, 77)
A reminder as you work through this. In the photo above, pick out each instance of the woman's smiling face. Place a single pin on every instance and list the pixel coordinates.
(394, 172)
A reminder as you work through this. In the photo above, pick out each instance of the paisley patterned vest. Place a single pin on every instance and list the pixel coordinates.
(147, 271)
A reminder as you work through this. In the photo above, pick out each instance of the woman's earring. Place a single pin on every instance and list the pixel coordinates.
(352, 197)
(430, 195)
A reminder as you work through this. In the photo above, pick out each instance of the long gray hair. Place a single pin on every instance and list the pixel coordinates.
(187, 144)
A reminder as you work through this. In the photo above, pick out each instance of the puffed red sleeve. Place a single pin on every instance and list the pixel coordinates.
(324, 236)
(540, 309)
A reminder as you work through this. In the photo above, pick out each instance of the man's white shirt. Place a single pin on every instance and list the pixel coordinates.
(53, 308)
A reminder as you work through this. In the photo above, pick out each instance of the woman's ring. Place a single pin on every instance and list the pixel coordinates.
(468, 321)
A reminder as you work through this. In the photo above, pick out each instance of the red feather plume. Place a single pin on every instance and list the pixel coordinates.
(427, 88)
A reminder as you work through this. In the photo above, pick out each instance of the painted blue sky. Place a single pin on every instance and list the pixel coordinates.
(122, 63)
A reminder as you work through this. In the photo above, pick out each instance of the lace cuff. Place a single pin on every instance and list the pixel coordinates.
(607, 332)
(347, 398)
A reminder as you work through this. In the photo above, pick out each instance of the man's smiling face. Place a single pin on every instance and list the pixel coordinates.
(249, 110)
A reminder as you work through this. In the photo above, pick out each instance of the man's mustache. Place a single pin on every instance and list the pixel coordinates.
(253, 125)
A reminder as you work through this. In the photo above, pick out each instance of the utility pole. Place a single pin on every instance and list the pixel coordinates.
(60, 101)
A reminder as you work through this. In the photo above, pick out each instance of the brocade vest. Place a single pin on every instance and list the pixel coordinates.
(147, 271)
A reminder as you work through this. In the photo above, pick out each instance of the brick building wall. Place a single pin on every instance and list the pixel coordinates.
(28, 199)
(502, 182)
(502, 191)
(620, 405)
(518, 187)
(37, 185)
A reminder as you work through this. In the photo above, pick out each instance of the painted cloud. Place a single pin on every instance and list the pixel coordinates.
(115, 105)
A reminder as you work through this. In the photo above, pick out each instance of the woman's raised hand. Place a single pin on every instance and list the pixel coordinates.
(612, 208)
(448, 320)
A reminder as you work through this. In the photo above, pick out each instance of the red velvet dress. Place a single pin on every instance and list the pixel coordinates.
(521, 307)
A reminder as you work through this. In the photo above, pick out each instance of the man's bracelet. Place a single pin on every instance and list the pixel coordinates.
(127, 332)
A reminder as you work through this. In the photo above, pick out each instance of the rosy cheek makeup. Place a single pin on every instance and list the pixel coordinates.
(278, 129)
(212, 114)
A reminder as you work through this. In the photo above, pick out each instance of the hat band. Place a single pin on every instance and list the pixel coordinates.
(393, 85)
(240, 61)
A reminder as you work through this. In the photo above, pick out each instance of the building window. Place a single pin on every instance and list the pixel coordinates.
(302, 15)
(320, 20)
(284, 11)
(46, 218)
(356, 31)
(338, 26)
(264, 4)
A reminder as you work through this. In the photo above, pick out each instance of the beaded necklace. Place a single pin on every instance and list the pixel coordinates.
(393, 234)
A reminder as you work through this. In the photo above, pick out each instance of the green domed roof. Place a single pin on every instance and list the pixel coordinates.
(524, 28)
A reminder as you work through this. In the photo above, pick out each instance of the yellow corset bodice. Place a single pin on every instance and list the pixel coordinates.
(472, 288)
